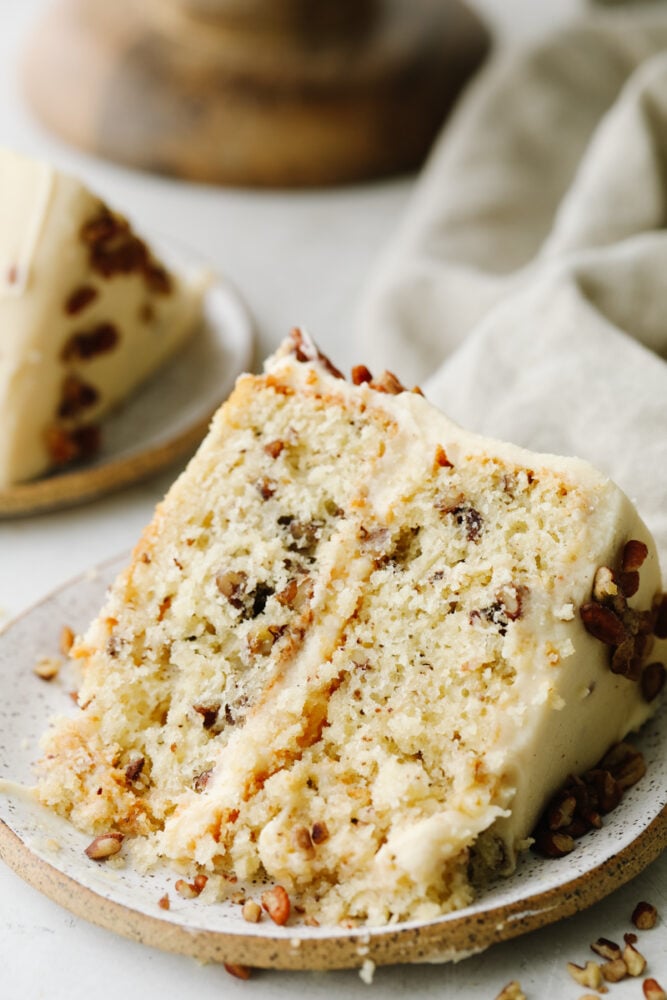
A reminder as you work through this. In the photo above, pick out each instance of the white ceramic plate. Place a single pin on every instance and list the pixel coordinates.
(166, 418)
(125, 901)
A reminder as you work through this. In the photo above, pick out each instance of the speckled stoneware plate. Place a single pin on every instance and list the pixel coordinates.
(49, 853)
(166, 418)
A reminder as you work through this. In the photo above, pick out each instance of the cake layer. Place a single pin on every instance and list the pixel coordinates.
(351, 642)
(87, 313)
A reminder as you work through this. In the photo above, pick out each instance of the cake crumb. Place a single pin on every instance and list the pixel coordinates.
(252, 911)
(367, 971)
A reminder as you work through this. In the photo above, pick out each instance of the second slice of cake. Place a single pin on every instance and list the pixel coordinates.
(87, 311)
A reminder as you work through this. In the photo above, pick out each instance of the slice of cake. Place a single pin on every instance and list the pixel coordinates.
(87, 313)
(358, 649)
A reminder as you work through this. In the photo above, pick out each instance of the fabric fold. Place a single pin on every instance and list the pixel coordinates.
(525, 288)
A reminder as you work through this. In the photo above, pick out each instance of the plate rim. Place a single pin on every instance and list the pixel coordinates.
(450, 937)
(446, 939)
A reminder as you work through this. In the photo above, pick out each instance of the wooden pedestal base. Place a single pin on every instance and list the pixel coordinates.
(270, 92)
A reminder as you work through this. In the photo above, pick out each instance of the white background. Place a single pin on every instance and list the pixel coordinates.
(298, 259)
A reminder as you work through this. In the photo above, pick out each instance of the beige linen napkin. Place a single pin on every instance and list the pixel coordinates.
(526, 289)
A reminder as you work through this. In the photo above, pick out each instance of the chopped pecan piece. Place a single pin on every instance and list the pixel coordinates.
(553, 844)
(512, 991)
(134, 769)
(276, 902)
(185, 889)
(114, 249)
(90, 343)
(146, 313)
(512, 597)
(76, 396)
(634, 555)
(190, 890)
(65, 446)
(635, 962)
(595, 793)
(102, 226)
(644, 916)
(374, 539)
(274, 448)
(387, 382)
(303, 842)
(652, 680)
(260, 596)
(507, 608)
(209, 714)
(304, 350)
(626, 659)
(610, 619)
(561, 812)
(296, 593)
(306, 535)
(163, 607)
(231, 585)
(113, 646)
(266, 487)
(614, 971)
(625, 763)
(361, 374)
(238, 971)
(261, 642)
(589, 975)
(660, 625)
(465, 515)
(319, 832)
(79, 299)
(441, 460)
(200, 781)
(606, 949)
(629, 582)
(606, 791)
(603, 624)
(104, 846)
(157, 278)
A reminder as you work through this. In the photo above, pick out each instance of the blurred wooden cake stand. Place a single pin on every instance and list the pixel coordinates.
(253, 92)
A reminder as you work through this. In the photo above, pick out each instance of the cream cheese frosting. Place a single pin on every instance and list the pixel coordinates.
(87, 313)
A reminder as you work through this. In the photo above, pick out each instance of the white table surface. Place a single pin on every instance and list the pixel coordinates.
(298, 259)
